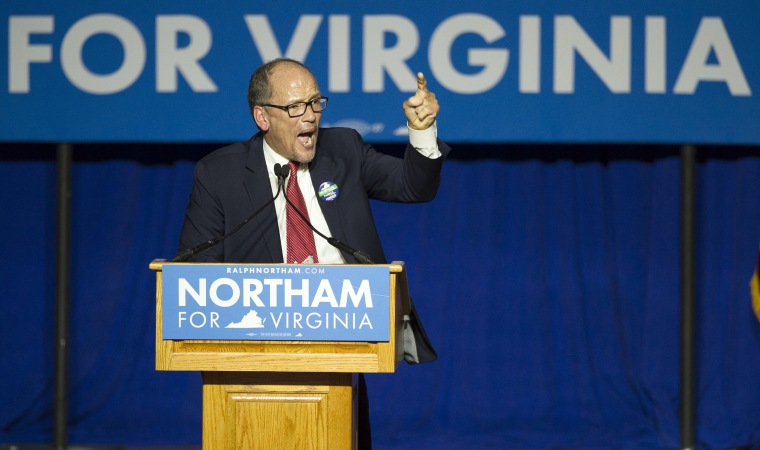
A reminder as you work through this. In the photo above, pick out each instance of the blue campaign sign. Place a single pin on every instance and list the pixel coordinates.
(274, 302)
(510, 71)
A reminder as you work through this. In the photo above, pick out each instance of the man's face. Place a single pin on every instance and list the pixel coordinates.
(295, 138)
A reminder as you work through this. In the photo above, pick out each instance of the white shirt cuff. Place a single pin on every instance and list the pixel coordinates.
(425, 141)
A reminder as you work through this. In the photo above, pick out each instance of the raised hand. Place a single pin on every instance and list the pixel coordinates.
(421, 108)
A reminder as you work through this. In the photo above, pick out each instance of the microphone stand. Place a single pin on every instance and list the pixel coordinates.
(184, 255)
(359, 256)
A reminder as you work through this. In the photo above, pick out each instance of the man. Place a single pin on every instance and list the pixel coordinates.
(337, 174)
(234, 181)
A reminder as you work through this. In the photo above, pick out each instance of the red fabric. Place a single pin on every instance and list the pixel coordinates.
(300, 237)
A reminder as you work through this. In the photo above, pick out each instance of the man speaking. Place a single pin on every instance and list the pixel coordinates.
(331, 176)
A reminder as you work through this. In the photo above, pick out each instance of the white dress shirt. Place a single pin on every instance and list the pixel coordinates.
(425, 143)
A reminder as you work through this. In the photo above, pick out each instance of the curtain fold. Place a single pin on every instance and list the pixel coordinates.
(548, 281)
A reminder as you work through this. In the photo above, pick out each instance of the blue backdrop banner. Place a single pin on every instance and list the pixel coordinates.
(518, 71)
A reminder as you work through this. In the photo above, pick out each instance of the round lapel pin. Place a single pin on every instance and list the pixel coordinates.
(328, 191)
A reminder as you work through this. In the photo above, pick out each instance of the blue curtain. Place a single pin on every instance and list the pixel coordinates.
(546, 276)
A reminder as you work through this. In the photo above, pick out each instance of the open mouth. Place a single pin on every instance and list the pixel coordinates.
(307, 138)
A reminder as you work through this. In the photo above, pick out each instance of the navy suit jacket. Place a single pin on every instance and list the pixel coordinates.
(233, 182)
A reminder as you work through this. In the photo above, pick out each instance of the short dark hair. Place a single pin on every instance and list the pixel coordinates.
(259, 89)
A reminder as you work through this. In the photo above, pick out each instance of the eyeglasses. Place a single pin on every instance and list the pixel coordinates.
(299, 109)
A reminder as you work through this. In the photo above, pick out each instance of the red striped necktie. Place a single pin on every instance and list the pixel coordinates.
(299, 236)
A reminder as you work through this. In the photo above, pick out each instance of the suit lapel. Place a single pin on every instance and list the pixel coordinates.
(323, 169)
(259, 191)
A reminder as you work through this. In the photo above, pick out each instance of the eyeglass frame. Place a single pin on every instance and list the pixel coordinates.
(310, 103)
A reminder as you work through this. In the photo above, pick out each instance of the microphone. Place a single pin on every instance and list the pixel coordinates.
(359, 256)
(281, 172)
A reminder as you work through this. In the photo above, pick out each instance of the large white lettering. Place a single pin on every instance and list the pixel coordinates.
(388, 43)
(356, 296)
(252, 288)
(125, 32)
(339, 55)
(172, 60)
(655, 81)
(291, 291)
(379, 59)
(324, 294)
(570, 38)
(530, 54)
(227, 285)
(266, 43)
(226, 292)
(711, 37)
(184, 289)
(21, 53)
(493, 61)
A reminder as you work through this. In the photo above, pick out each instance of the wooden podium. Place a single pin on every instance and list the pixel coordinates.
(283, 394)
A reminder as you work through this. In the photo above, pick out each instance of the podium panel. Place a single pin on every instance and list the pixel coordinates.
(279, 410)
(283, 394)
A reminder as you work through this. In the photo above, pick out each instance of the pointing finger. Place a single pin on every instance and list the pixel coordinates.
(421, 82)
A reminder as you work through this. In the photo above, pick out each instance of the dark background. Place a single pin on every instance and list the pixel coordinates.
(547, 276)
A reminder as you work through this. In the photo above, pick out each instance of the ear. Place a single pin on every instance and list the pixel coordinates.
(261, 118)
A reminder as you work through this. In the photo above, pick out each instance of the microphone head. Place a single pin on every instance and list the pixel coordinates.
(281, 172)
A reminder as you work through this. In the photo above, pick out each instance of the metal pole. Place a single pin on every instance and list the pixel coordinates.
(63, 257)
(688, 348)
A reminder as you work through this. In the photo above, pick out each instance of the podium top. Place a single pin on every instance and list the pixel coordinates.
(157, 264)
(286, 356)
